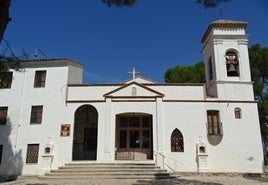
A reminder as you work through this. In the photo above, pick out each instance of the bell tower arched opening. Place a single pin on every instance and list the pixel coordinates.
(232, 63)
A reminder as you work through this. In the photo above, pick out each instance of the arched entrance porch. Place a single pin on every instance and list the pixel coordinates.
(85, 133)
(134, 136)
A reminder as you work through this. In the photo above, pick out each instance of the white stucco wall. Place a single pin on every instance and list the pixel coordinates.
(172, 106)
(187, 116)
(20, 98)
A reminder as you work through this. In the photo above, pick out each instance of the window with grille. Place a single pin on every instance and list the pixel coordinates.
(237, 112)
(3, 115)
(177, 144)
(32, 153)
(1, 152)
(6, 80)
(36, 114)
(213, 125)
(40, 79)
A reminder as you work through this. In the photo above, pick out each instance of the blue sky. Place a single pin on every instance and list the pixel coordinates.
(152, 36)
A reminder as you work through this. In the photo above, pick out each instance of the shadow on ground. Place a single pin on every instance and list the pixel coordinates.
(7, 178)
(173, 182)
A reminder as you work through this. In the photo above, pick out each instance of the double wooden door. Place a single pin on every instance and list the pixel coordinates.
(134, 137)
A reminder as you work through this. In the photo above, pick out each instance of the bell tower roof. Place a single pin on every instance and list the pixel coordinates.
(223, 23)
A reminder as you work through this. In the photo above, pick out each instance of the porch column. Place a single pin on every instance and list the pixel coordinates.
(160, 133)
(107, 130)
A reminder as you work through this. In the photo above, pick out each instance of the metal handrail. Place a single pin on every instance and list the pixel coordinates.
(164, 164)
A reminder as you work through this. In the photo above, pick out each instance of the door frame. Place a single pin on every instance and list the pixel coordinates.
(142, 147)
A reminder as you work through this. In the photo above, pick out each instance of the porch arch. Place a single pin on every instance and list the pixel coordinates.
(85, 133)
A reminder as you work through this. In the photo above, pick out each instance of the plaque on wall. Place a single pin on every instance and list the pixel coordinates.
(65, 130)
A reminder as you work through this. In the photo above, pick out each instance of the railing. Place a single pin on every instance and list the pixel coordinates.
(165, 164)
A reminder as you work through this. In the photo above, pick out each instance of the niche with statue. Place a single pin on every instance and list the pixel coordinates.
(202, 156)
(47, 158)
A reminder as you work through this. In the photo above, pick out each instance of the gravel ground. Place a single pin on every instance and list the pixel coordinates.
(184, 180)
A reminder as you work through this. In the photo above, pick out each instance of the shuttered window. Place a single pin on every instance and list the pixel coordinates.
(40, 79)
(213, 124)
(3, 115)
(36, 114)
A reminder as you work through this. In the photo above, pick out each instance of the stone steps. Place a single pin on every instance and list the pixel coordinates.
(108, 171)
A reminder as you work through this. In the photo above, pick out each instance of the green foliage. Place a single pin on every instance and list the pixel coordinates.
(258, 57)
(7, 63)
(186, 74)
(211, 3)
(205, 3)
(120, 3)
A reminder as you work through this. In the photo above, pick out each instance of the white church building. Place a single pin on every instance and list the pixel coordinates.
(48, 117)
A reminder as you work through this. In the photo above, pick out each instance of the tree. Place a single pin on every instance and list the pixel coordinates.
(211, 3)
(205, 3)
(258, 57)
(120, 3)
(4, 16)
(186, 74)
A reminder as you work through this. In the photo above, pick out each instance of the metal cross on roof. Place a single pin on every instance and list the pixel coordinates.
(133, 72)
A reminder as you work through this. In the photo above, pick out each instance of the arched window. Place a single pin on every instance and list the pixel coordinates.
(237, 112)
(210, 69)
(134, 91)
(177, 141)
(232, 63)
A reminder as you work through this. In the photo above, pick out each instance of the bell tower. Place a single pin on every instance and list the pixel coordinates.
(225, 52)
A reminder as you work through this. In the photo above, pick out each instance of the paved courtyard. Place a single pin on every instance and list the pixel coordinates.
(184, 180)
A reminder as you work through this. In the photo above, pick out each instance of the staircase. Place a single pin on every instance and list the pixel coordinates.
(108, 171)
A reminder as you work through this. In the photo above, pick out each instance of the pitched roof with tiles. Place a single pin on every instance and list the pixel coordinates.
(223, 23)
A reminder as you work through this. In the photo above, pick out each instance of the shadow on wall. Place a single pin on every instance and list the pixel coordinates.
(11, 161)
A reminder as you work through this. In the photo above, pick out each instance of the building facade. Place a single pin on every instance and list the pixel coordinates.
(48, 117)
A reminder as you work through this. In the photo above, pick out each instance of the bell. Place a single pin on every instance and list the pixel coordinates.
(232, 70)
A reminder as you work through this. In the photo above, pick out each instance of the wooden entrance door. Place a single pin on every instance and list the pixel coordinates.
(134, 137)
(85, 133)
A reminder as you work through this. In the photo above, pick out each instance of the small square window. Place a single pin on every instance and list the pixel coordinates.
(36, 114)
(3, 115)
(40, 79)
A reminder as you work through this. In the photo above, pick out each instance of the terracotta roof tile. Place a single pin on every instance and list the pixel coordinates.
(223, 23)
